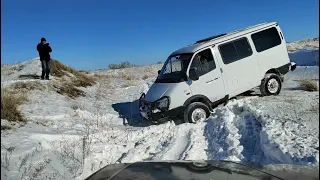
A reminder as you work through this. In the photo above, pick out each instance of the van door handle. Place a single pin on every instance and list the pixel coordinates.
(212, 80)
(221, 70)
(209, 81)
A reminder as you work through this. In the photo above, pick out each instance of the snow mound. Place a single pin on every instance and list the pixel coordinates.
(308, 44)
(27, 68)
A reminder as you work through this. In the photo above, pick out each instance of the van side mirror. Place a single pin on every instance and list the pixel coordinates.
(193, 74)
(159, 72)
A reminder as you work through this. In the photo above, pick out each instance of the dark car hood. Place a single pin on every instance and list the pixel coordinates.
(190, 170)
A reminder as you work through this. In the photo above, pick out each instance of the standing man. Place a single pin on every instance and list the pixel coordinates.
(44, 52)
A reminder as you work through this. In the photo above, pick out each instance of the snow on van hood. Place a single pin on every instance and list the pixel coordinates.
(157, 90)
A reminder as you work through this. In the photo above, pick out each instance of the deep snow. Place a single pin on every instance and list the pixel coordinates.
(71, 139)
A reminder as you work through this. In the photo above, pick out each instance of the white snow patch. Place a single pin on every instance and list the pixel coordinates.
(29, 67)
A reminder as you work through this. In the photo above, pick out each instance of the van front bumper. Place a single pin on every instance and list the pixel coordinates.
(147, 111)
(163, 115)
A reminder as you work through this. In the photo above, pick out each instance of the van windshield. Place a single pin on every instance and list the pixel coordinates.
(174, 69)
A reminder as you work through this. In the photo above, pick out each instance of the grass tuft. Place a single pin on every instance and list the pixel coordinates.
(130, 83)
(5, 127)
(79, 79)
(127, 76)
(308, 85)
(10, 101)
(144, 77)
(76, 79)
(69, 90)
(28, 86)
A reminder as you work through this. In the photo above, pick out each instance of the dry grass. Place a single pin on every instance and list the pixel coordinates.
(5, 127)
(145, 77)
(13, 96)
(10, 100)
(84, 71)
(102, 76)
(130, 83)
(120, 75)
(127, 77)
(308, 85)
(80, 79)
(58, 69)
(83, 81)
(69, 87)
(27, 86)
(69, 90)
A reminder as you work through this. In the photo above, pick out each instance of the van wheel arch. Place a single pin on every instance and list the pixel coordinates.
(273, 71)
(198, 98)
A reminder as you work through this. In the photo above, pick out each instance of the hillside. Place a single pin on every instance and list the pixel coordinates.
(303, 44)
(66, 128)
(305, 52)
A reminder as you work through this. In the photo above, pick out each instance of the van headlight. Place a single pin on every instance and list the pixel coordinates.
(163, 103)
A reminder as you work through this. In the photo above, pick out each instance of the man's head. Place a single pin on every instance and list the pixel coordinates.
(43, 40)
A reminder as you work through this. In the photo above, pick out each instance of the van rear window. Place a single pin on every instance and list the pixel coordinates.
(266, 39)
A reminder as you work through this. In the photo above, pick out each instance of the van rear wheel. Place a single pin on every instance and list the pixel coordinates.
(196, 112)
(271, 85)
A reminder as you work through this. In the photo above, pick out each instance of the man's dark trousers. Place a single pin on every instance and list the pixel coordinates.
(45, 64)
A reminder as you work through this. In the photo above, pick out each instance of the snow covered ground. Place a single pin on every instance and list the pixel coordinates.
(72, 138)
(303, 44)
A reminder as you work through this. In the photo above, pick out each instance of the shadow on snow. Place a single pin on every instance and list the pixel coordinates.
(129, 113)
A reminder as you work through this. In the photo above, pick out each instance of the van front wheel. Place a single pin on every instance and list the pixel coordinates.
(270, 85)
(196, 112)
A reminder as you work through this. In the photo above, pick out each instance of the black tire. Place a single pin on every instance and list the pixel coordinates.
(191, 107)
(265, 91)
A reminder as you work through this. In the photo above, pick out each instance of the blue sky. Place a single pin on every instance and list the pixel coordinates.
(90, 34)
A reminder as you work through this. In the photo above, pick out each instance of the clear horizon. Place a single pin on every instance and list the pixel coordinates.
(87, 35)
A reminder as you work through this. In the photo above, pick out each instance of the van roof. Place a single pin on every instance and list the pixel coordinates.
(219, 38)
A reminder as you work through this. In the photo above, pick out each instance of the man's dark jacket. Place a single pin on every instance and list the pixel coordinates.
(44, 51)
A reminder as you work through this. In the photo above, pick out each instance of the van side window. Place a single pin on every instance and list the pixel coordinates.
(235, 50)
(204, 62)
(266, 39)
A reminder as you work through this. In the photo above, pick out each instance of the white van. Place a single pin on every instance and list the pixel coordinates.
(211, 71)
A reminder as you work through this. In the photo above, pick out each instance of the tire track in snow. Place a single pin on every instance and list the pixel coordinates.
(167, 142)
(179, 144)
(239, 132)
(222, 136)
(148, 142)
(197, 144)
(188, 139)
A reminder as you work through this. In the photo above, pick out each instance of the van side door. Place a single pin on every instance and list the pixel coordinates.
(210, 82)
(239, 66)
